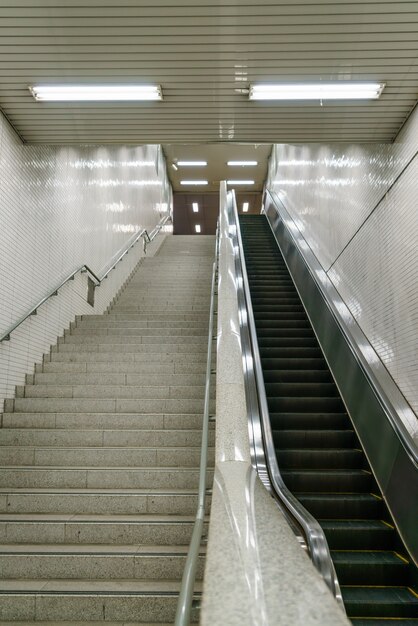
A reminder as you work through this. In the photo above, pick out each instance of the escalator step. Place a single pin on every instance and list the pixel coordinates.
(309, 420)
(323, 481)
(369, 568)
(301, 390)
(325, 458)
(297, 376)
(381, 621)
(271, 307)
(358, 534)
(394, 602)
(295, 363)
(344, 506)
(309, 404)
(278, 324)
(279, 315)
(314, 438)
(289, 352)
(284, 331)
(288, 342)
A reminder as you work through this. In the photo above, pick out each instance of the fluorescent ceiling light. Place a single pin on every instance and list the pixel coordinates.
(67, 93)
(197, 228)
(195, 207)
(338, 90)
(174, 167)
(193, 182)
(242, 163)
(192, 163)
(240, 182)
(245, 206)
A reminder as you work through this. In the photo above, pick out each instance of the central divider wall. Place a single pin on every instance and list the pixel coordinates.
(256, 571)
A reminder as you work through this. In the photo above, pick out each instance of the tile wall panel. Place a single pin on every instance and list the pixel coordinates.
(61, 207)
(377, 276)
(330, 189)
(356, 207)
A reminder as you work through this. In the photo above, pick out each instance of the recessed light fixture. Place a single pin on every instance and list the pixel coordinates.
(197, 228)
(338, 90)
(242, 163)
(193, 182)
(240, 182)
(195, 207)
(245, 206)
(67, 93)
(192, 163)
(174, 166)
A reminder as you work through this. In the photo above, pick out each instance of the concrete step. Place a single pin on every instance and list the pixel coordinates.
(137, 332)
(168, 367)
(108, 405)
(94, 562)
(90, 623)
(83, 601)
(114, 378)
(141, 456)
(106, 438)
(107, 322)
(109, 530)
(154, 338)
(101, 477)
(112, 391)
(155, 315)
(136, 356)
(118, 347)
(108, 421)
(100, 501)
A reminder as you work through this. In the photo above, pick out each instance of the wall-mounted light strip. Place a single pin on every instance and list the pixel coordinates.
(192, 163)
(193, 182)
(95, 93)
(197, 228)
(338, 90)
(245, 206)
(195, 207)
(242, 163)
(240, 182)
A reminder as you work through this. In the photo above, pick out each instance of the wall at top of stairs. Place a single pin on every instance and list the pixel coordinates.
(61, 207)
(355, 204)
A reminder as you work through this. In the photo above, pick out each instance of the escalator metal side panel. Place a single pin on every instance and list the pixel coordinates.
(393, 461)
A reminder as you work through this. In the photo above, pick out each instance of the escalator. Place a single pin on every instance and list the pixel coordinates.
(318, 452)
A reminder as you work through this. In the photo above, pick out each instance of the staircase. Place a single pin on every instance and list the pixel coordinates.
(317, 449)
(100, 453)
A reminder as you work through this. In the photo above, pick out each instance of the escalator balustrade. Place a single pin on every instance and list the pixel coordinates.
(318, 453)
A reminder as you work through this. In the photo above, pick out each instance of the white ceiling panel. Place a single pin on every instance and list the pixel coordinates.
(201, 53)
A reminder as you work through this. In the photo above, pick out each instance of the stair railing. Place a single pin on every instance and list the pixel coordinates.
(185, 600)
(85, 269)
(305, 526)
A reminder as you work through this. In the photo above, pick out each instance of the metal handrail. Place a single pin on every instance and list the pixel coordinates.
(263, 450)
(185, 600)
(86, 269)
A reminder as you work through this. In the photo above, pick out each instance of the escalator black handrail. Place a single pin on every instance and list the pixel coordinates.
(262, 445)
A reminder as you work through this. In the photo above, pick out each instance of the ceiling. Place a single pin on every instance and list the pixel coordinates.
(217, 155)
(201, 53)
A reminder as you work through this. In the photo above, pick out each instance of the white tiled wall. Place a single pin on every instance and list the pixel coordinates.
(61, 207)
(356, 205)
